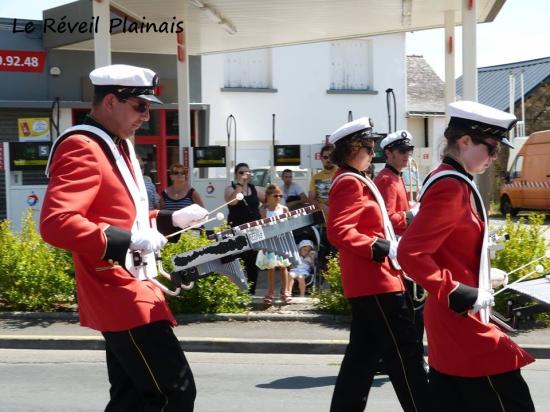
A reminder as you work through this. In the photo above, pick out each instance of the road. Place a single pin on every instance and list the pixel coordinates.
(75, 381)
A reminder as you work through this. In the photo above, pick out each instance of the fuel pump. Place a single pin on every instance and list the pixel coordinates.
(25, 180)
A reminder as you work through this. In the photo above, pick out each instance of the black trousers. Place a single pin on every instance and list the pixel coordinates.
(505, 392)
(249, 260)
(381, 326)
(148, 371)
(418, 309)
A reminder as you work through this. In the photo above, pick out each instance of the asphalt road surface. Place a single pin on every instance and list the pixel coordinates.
(76, 381)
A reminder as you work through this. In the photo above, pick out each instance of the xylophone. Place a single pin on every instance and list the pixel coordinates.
(273, 234)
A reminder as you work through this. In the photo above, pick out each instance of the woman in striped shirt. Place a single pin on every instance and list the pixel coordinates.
(179, 194)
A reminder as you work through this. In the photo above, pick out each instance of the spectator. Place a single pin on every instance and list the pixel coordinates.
(245, 211)
(293, 194)
(318, 196)
(152, 195)
(179, 194)
(268, 260)
(305, 268)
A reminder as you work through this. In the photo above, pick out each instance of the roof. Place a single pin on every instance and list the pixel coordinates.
(230, 25)
(425, 90)
(494, 86)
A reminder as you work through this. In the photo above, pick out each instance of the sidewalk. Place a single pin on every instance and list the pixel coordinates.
(295, 328)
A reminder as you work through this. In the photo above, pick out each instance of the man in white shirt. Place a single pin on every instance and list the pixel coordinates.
(293, 194)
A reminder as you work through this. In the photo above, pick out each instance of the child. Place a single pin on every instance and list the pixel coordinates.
(269, 260)
(305, 268)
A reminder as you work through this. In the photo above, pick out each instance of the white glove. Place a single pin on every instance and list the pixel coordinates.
(189, 216)
(148, 240)
(415, 208)
(498, 278)
(484, 299)
(392, 254)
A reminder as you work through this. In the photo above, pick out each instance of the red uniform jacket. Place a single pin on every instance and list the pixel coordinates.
(85, 195)
(392, 188)
(354, 223)
(441, 251)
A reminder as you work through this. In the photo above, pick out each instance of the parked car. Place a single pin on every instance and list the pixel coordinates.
(262, 176)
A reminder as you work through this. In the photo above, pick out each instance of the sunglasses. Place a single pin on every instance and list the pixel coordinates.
(277, 196)
(177, 173)
(370, 149)
(141, 107)
(492, 149)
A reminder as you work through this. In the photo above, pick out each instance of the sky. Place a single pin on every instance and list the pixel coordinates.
(521, 31)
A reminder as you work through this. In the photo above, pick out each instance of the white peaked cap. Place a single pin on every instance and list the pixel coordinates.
(481, 120)
(126, 80)
(363, 124)
(396, 139)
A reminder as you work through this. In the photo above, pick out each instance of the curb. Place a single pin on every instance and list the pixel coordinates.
(220, 345)
(297, 316)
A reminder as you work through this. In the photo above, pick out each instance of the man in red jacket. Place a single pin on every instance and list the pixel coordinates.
(96, 206)
(398, 148)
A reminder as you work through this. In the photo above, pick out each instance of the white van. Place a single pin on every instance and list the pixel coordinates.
(262, 176)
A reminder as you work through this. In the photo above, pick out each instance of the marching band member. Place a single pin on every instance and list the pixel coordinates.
(96, 206)
(473, 365)
(397, 149)
(382, 316)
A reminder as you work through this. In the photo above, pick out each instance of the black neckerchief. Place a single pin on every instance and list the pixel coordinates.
(354, 170)
(91, 121)
(459, 168)
(394, 170)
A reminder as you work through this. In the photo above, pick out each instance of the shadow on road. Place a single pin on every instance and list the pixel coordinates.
(307, 382)
(31, 323)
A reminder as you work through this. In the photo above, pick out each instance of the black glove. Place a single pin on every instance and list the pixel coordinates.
(380, 249)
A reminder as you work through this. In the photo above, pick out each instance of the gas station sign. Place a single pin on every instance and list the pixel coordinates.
(209, 156)
(22, 61)
(287, 155)
(29, 156)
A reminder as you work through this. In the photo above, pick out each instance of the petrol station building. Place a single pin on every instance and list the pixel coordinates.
(44, 72)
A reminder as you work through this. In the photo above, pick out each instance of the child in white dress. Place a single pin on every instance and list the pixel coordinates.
(268, 260)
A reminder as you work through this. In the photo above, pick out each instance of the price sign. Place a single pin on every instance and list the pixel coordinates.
(22, 61)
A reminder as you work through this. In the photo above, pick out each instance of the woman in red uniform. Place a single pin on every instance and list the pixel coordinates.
(473, 365)
(382, 317)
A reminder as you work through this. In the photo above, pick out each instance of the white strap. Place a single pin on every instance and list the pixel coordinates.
(484, 277)
(135, 186)
(388, 228)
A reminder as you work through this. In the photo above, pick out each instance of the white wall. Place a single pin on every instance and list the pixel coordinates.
(436, 127)
(305, 113)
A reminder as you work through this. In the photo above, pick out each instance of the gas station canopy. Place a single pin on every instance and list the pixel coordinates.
(229, 25)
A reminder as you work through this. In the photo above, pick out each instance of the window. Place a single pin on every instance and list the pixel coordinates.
(351, 66)
(515, 171)
(248, 70)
